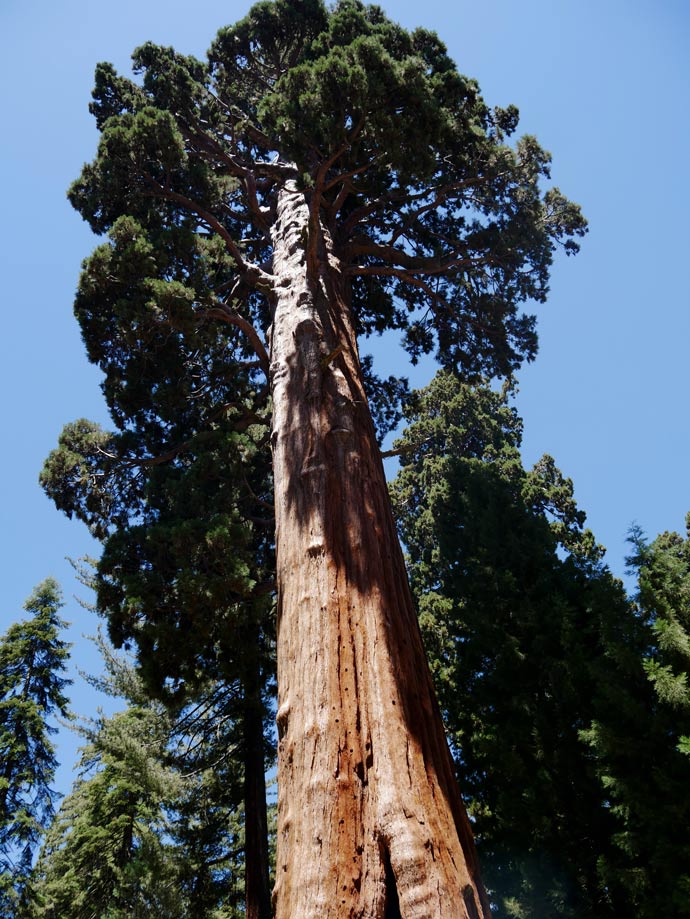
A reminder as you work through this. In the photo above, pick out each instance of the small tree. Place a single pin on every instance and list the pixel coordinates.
(152, 826)
(326, 175)
(32, 661)
(104, 854)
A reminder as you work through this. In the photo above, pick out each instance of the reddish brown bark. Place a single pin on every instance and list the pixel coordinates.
(370, 821)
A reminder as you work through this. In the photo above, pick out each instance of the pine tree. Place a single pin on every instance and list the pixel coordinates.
(185, 547)
(533, 645)
(105, 854)
(32, 661)
(326, 175)
(642, 755)
(152, 825)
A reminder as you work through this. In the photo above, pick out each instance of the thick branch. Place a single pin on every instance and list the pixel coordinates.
(315, 211)
(224, 313)
(410, 448)
(340, 199)
(345, 176)
(399, 263)
(252, 274)
(254, 206)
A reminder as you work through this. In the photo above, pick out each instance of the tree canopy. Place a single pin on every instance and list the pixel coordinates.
(444, 231)
(442, 226)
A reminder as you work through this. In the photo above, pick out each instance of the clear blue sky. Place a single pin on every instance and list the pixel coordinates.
(605, 86)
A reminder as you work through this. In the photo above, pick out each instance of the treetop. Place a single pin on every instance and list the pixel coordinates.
(442, 226)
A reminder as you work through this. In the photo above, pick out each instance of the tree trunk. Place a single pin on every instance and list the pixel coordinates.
(370, 821)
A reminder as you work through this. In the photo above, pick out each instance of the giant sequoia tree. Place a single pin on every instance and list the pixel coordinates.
(324, 176)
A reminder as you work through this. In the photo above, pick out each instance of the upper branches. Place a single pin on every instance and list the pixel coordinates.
(443, 228)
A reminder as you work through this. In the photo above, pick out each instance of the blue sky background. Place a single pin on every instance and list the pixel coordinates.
(605, 86)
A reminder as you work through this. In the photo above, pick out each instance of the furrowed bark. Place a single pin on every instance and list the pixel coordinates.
(370, 821)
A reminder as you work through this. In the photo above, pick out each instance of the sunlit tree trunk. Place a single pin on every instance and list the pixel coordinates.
(370, 821)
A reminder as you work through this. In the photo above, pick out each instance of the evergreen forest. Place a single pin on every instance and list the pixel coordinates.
(336, 695)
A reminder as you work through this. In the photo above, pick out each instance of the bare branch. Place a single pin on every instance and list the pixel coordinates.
(315, 208)
(340, 199)
(410, 448)
(254, 206)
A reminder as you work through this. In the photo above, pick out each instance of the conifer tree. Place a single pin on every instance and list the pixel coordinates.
(32, 662)
(642, 757)
(663, 571)
(325, 175)
(534, 647)
(152, 825)
(185, 547)
(105, 854)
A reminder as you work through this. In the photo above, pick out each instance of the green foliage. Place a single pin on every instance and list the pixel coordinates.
(664, 594)
(153, 825)
(397, 154)
(644, 766)
(104, 855)
(532, 643)
(173, 492)
(402, 151)
(32, 660)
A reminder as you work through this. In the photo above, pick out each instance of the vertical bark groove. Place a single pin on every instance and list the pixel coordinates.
(391, 908)
(370, 823)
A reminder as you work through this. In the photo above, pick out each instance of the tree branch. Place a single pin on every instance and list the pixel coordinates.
(410, 448)
(403, 197)
(255, 497)
(401, 264)
(251, 273)
(254, 206)
(225, 314)
(172, 452)
(315, 208)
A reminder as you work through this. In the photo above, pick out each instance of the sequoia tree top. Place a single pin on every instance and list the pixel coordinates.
(442, 226)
